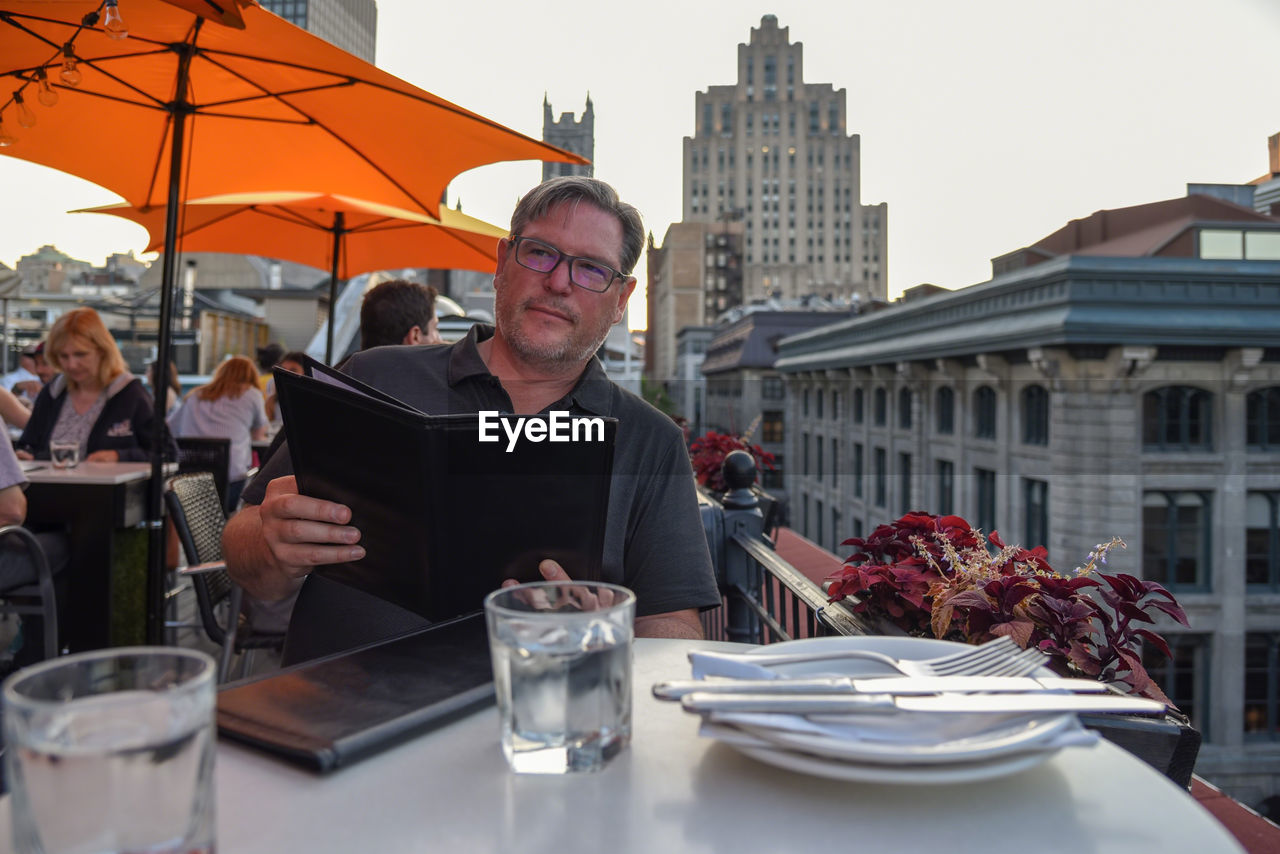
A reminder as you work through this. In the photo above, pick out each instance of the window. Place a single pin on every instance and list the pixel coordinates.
(819, 444)
(835, 458)
(1035, 500)
(817, 520)
(1262, 539)
(881, 406)
(946, 404)
(836, 536)
(1175, 538)
(804, 407)
(804, 453)
(805, 503)
(1035, 415)
(1185, 677)
(1176, 417)
(857, 406)
(904, 408)
(771, 478)
(946, 487)
(835, 406)
(771, 426)
(985, 499)
(881, 477)
(904, 476)
(771, 388)
(1262, 419)
(822, 402)
(857, 470)
(984, 412)
(1261, 686)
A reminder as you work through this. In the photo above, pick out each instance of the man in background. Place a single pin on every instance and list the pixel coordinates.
(399, 312)
(268, 357)
(23, 381)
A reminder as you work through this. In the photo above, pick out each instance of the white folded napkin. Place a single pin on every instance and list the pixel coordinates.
(703, 666)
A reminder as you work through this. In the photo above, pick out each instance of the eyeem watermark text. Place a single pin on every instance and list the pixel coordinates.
(557, 426)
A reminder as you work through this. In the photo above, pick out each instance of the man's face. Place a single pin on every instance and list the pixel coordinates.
(27, 363)
(44, 370)
(544, 318)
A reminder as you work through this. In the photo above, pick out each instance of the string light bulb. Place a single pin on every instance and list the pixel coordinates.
(112, 22)
(6, 138)
(26, 118)
(69, 73)
(45, 93)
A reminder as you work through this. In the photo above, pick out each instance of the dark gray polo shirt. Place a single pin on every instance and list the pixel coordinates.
(654, 541)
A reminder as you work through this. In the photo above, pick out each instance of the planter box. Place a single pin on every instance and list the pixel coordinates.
(1169, 744)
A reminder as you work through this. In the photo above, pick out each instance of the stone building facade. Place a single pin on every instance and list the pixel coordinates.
(350, 24)
(576, 135)
(1076, 397)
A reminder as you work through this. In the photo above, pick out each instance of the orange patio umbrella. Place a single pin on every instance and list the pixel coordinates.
(223, 11)
(346, 236)
(159, 104)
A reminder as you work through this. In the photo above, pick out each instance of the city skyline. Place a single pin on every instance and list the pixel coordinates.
(984, 128)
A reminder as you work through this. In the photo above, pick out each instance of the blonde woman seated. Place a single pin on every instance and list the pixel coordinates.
(229, 407)
(95, 402)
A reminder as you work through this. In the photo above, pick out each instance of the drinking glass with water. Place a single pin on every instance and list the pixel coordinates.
(64, 455)
(562, 670)
(112, 751)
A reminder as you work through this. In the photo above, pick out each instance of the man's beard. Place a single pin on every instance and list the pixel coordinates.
(572, 350)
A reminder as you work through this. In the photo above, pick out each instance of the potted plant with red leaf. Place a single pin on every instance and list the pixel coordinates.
(707, 455)
(935, 576)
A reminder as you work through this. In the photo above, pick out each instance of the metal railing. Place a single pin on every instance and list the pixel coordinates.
(766, 599)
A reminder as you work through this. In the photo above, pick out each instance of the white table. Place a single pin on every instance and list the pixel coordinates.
(103, 474)
(672, 791)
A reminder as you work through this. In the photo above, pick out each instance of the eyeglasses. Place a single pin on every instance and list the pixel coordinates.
(586, 273)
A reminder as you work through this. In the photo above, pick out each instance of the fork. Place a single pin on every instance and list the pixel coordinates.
(1000, 657)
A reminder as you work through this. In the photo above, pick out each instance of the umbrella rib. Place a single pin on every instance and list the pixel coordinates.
(291, 216)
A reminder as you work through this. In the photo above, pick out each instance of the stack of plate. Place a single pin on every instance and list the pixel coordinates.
(902, 747)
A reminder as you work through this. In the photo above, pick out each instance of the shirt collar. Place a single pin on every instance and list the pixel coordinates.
(593, 392)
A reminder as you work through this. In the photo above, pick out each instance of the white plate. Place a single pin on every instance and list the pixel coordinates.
(1008, 737)
(906, 739)
(960, 772)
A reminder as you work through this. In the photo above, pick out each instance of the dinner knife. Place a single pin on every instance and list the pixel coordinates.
(897, 685)
(812, 704)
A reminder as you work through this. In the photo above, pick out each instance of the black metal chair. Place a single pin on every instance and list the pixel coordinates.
(198, 453)
(196, 510)
(36, 597)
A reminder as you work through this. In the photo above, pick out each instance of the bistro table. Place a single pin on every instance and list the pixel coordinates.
(450, 790)
(102, 506)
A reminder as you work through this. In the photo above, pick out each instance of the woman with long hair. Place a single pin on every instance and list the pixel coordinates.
(229, 407)
(172, 387)
(95, 401)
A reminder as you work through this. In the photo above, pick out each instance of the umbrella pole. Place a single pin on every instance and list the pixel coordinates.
(160, 435)
(339, 228)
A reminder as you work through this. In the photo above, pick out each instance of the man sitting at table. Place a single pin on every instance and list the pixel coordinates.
(563, 279)
(399, 312)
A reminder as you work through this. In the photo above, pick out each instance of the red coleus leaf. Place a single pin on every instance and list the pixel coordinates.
(1019, 630)
(1155, 640)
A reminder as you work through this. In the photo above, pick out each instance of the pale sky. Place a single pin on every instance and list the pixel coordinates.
(985, 125)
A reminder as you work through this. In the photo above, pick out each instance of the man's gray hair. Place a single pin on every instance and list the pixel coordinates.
(574, 189)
